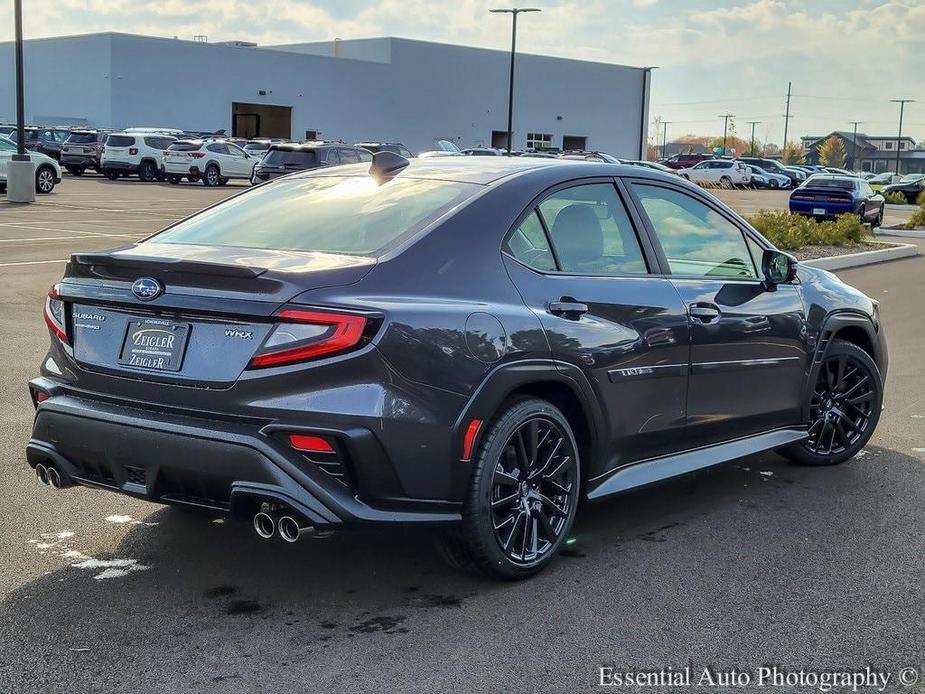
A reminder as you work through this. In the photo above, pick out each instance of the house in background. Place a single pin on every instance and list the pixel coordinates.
(875, 153)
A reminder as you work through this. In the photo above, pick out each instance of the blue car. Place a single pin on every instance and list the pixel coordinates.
(825, 196)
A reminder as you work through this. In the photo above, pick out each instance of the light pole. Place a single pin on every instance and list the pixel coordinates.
(854, 144)
(21, 170)
(513, 11)
(725, 117)
(751, 146)
(902, 105)
(665, 124)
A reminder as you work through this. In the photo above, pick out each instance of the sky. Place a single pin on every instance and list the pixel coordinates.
(845, 58)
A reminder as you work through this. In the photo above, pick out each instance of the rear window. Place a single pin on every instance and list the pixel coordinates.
(841, 183)
(184, 146)
(120, 141)
(81, 138)
(302, 159)
(335, 214)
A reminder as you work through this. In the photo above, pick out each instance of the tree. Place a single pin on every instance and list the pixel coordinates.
(832, 152)
(792, 153)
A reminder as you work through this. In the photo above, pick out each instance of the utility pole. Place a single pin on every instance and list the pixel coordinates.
(902, 105)
(751, 146)
(725, 117)
(514, 11)
(787, 117)
(854, 147)
(665, 125)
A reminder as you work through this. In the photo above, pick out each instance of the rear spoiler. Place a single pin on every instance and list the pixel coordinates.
(179, 265)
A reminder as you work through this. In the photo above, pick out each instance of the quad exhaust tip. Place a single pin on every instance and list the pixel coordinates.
(264, 525)
(54, 477)
(42, 473)
(290, 529)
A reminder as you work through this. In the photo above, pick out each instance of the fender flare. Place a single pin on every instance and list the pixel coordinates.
(831, 325)
(506, 378)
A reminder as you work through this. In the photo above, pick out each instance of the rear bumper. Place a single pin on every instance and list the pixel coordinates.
(85, 161)
(228, 466)
(121, 166)
(831, 209)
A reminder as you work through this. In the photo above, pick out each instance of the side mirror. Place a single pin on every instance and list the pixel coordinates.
(778, 268)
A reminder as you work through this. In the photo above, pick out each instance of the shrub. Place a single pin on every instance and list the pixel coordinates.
(917, 219)
(895, 198)
(921, 199)
(790, 232)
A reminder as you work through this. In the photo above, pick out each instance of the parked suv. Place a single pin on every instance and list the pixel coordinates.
(130, 153)
(284, 159)
(45, 140)
(81, 151)
(475, 345)
(773, 166)
(725, 173)
(213, 162)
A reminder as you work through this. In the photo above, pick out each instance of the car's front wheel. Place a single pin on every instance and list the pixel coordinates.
(844, 407)
(44, 180)
(523, 493)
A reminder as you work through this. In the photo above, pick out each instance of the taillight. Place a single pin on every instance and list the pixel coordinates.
(302, 335)
(197, 155)
(133, 151)
(54, 315)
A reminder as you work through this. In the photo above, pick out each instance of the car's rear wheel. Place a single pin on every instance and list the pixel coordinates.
(212, 176)
(147, 172)
(44, 180)
(844, 407)
(772, 183)
(111, 175)
(523, 494)
(75, 170)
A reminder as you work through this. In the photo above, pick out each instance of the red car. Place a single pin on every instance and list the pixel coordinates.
(684, 161)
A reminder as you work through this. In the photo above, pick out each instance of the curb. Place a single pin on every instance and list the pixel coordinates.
(917, 233)
(842, 262)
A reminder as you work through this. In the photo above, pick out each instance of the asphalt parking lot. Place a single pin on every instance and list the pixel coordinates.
(753, 563)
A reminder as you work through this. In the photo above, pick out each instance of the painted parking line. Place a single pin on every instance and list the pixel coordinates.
(71, 238)
(80, 233)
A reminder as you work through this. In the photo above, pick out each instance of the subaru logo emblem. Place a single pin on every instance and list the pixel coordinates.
(147, 288)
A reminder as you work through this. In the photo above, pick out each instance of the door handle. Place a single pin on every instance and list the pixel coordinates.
(705, 313)
(567, 308)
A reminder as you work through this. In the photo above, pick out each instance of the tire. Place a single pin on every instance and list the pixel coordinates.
(111, 175)
(193, 179)
(223, 181)
(862, 214)
(772, 184)
(74, 170)
(173, 179)
(878, 222)
(211, 176)
(44, 180)
(725, 183)
(147, 172)
(531, 489)
(844, 407)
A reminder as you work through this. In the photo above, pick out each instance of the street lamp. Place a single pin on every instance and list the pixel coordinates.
(513, 11)
(751, 145)
(20, 185)
(902, 104)
(665, 124)
(854, 144)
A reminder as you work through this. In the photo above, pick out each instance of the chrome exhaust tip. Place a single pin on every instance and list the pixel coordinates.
(291, 531)
(264, 525)
(42, 473)
(54, 477)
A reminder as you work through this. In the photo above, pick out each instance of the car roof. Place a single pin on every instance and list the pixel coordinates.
(489, 170)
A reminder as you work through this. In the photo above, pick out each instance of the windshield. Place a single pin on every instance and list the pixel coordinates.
(911, 178)
(302, 159)
(820, 182)
(335, 214)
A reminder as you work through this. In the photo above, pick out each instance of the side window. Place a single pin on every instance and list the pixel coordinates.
(218, 148)
(329, 156)
(591, 231)
(348, 156)
(530, 246)
(405, 153)
(364, 155)
(696, 239)
(234, 150)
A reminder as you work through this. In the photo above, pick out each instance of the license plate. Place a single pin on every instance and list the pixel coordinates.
(819, 211)
(155, 344)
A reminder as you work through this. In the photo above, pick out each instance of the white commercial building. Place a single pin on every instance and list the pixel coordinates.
(381, 89)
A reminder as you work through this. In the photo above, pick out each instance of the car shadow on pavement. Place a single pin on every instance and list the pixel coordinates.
(183, 581)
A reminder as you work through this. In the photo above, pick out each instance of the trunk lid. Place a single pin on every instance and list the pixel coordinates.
(197, 314)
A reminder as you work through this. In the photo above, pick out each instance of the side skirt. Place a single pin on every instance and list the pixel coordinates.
(657, 469)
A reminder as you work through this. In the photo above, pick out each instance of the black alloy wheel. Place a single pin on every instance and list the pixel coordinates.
(147, 172)
(844, 407)
(523, 495)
